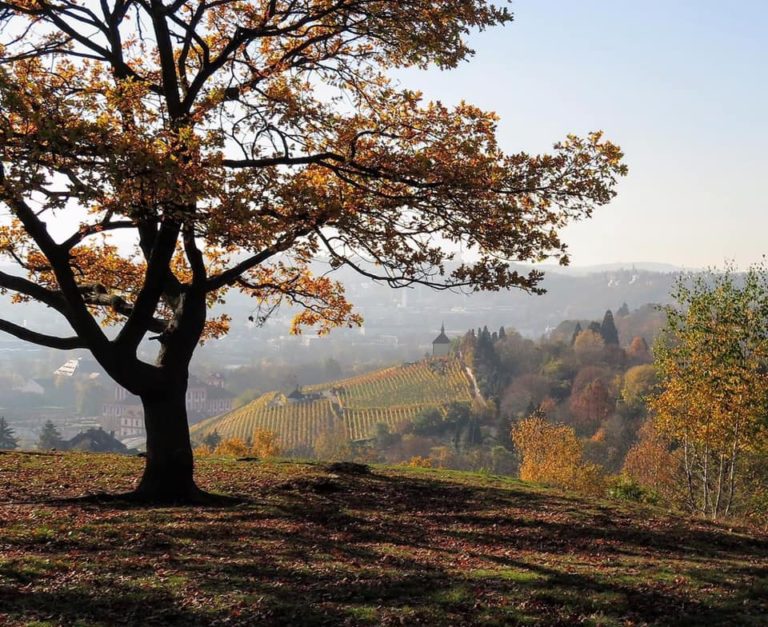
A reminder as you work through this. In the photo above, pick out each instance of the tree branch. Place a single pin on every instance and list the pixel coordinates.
(33, 290)
(51, 341)
(285, 160)
(155, 279)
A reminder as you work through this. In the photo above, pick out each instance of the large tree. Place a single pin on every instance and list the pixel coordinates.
(712, 363)
(237, 141)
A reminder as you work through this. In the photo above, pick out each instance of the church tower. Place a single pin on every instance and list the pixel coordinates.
(441, 345)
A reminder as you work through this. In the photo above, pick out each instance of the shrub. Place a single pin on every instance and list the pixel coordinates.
(233, 447)
(203, 451)
(625, 488)
(265, 444)
(417, 461)
(552, 454)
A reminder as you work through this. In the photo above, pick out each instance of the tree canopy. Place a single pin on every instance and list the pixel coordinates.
(233, 143)
(712, 361)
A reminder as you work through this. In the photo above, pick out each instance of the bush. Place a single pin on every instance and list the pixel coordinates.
(265, 444)
(233, 447)
(552, 454)
(417, 461)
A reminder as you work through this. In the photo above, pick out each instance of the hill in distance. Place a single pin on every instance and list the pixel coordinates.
(310, 545)
(391, 396)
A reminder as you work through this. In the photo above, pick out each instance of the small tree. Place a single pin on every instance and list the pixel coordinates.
(265, 444)
(8, 441)
(233, 143)
(333, 444)
(552, 454)
(639, 352)
(50, 437)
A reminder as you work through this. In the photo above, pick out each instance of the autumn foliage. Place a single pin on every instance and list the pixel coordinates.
(552, 454)
(654, 466)
(232, 144)
(263, 444)
(713, 395)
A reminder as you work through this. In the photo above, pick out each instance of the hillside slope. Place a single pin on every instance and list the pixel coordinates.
(391, 396)
(397, 546)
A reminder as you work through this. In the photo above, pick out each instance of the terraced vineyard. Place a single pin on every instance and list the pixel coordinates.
(298, 424)
(361, 423)
(392, 396)
(428, 382)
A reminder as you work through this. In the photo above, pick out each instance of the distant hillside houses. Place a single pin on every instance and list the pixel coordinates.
(125, 414)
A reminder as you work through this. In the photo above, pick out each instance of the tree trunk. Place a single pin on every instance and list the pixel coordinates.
(168, 475)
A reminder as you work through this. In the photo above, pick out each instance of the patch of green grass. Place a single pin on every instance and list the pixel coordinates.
(507, 574)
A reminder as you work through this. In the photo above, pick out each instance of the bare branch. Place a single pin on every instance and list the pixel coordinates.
(51, 341)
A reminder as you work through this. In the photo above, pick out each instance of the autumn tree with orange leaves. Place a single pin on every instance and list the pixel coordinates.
(233, 142)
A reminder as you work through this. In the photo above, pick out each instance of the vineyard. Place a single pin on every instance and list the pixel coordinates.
(392, 396)
(422, 383)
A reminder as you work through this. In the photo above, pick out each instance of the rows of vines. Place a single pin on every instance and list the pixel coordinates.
(392, 396)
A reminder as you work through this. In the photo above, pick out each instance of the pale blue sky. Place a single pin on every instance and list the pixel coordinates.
(681, 85)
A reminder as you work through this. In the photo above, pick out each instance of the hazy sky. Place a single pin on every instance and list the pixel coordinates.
(681, 85)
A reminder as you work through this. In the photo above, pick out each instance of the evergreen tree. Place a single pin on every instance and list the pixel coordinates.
(50, 437)
(486, 365)
(8, 441)
(576, 332)
(595, 326)
(212, 440)
(502, 333)
(608, 330)
(623, 310)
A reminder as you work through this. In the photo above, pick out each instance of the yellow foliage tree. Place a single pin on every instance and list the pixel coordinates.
(639, 382)
(652, 465)
(588, 346)
(203, 450)
(712, 361)
(552, 454)
(265, 444)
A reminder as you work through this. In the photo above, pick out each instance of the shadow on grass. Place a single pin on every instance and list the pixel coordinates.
(373, 549)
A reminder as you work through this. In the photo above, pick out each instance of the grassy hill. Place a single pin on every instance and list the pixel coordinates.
(391, 396)
(398, 546)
